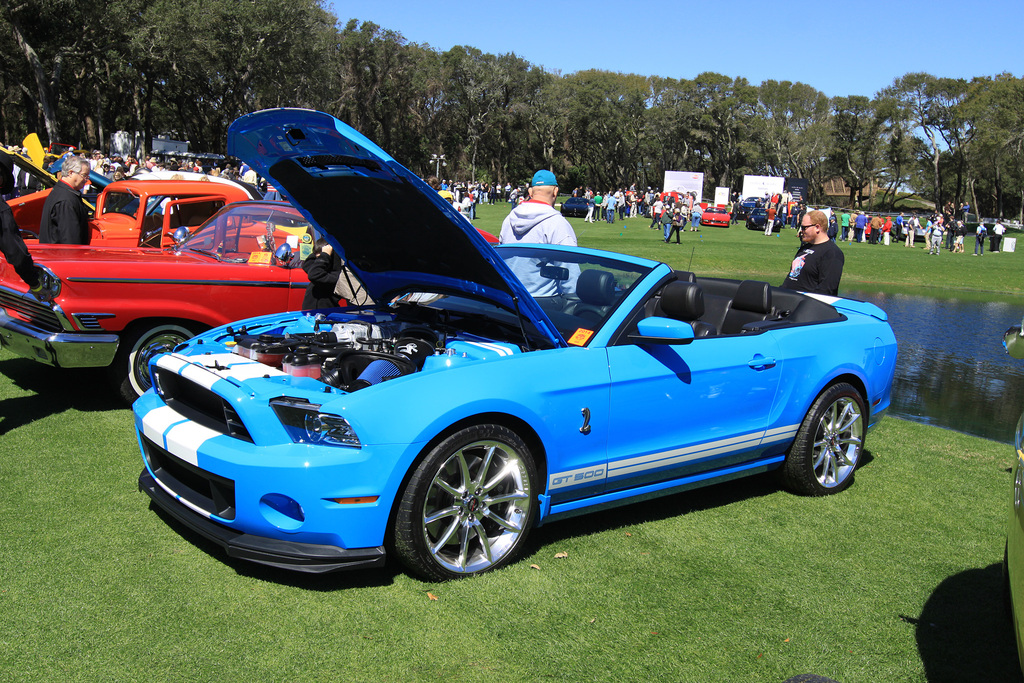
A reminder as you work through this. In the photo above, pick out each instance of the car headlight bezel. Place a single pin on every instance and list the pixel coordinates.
(305, 423)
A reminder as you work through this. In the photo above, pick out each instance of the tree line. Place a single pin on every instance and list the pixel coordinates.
(75, 71)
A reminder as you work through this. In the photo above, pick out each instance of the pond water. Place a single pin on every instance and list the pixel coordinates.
(952, 371)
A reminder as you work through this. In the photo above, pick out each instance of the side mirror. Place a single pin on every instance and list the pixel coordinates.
(657, 330)
(283, 254)
(1013, 342)
(179, 236)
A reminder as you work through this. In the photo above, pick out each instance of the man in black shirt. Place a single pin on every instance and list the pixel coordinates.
(64, 219)
(818, 265)
(11, 244)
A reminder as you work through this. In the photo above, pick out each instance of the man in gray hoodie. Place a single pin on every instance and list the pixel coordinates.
(536, 220)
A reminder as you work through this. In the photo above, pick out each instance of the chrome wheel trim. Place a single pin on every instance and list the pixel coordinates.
(476, 507)
(145, 349)
(838, 442)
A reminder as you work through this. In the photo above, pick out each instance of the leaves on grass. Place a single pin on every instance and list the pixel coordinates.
(431, 595)
(534, 566)
(561, 555)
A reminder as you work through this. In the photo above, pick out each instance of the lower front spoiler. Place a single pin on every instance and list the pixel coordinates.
(301, 557)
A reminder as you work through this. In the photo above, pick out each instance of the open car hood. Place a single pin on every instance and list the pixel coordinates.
(392, 228)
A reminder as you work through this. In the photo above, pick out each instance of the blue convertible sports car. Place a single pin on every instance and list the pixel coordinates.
(488, 390)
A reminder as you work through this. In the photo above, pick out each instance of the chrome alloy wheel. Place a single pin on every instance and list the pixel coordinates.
(477, 507)
(838, 442)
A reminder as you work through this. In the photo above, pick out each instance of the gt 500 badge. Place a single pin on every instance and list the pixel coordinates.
(585, 476)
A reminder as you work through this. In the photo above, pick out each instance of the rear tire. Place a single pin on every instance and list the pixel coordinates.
(130, 370)
(829, 444)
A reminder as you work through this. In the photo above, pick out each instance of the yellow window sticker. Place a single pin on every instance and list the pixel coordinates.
(581, 337)
(260, 257)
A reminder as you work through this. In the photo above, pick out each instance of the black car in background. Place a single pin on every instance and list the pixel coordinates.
(758, 218)
(576, 207)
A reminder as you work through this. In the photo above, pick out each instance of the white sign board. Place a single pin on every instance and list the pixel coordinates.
(760, 185)
(721, 196)
(1008, 244)
(685, 183)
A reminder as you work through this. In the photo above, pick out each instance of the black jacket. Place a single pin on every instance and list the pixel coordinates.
(64, 219)
(323, 272)
(13, 247)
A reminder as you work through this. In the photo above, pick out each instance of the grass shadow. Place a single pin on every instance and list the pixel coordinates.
(52, 391)
(656, 509)
(964, 632)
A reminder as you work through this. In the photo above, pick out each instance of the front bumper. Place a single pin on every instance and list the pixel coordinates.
(60, 349)
(303, 557)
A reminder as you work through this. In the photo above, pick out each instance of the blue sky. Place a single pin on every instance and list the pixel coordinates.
(840, 48)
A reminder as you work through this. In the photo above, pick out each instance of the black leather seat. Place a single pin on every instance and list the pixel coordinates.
(596, 290)
(751, 303)
(684, 301)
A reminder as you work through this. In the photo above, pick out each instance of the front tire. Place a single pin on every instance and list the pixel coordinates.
(829, 444)
(468, 506)
(130, 371)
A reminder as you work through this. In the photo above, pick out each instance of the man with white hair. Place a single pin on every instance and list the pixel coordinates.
(64, 219)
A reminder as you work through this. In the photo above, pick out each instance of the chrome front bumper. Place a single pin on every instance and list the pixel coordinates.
(60, 349)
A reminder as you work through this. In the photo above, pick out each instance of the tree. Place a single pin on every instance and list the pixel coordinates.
(855, 138)
(793, 129)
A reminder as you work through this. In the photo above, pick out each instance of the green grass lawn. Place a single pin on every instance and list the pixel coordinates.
(896, 579)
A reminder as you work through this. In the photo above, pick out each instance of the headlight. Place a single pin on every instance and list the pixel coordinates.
(306, 424)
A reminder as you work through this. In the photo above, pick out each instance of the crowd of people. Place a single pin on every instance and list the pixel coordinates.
(936, 228)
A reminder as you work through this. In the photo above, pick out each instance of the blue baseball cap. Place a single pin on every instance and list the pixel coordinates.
(542, 178)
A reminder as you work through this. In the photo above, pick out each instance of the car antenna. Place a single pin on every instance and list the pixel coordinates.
(691, 257)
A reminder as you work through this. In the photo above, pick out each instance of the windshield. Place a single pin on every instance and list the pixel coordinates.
(243, 232)
(577, 291)
(125, 203)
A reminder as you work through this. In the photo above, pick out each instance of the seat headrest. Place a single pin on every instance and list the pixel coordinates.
(682, 301)
(596, 287)
(753, 296)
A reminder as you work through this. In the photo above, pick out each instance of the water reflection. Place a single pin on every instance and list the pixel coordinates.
(952, 370)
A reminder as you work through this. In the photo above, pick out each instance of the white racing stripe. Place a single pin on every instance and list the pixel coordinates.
(206, 370)
(185, 438)
(156, 422)
(676, 456)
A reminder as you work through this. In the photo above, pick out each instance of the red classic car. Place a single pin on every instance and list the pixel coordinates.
(116, 308)
(135, 213)
(716, 216)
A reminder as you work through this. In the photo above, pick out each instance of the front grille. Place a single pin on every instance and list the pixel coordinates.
(199, 404)
(37, 313)
(205, 490)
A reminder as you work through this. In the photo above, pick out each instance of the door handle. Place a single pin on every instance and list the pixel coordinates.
(759, 362)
